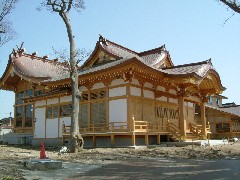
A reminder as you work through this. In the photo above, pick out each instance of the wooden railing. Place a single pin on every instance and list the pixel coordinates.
(197, 130)
(135, 126)
(174, 130)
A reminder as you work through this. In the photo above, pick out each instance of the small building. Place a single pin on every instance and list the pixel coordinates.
(224, 119)
(127, 97)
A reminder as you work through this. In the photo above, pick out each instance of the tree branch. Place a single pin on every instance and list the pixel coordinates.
(233, 4)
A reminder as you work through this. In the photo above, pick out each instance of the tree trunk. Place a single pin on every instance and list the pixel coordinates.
(76, 139)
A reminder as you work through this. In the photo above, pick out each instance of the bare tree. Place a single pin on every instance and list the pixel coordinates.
(232, 4)
(63, 8)
(63, 56)
(6, 31)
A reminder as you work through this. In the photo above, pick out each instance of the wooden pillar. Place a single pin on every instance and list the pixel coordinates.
(94, 141)
(133, 132)
(203, 120)
(158, 139)
(146, 139)
(112, 140)
(182, 123)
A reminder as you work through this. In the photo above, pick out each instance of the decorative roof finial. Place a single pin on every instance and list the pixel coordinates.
(20, 49)
(209, 61)
(102, 40)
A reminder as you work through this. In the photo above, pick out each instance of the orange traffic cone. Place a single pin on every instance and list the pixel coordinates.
(42, 152)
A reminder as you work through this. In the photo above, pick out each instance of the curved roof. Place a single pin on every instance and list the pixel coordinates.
(37, 69)
(32, 68)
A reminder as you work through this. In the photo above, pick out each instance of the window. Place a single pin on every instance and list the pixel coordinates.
(98, 94)
(84, 97)
(83, 115)
(98, 113)
(20, 95)
(209, 100)
(29, 92)
(24, 111)
(39, 93)
(28, 115)
(52, 112)
(217, 102)
(19, 116)
(65, 110)
(94, 95)
(222, 127)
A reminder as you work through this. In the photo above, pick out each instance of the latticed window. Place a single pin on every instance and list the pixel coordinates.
(65, 110)
(83, 115)
(28, 115)
(19, 116)
(223, 127)
(24, 111)
(52, 112)
(98, 113)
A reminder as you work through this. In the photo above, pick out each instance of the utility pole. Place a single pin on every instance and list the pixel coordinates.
(10, 119)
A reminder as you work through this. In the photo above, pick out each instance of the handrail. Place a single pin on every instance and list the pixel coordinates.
(171, 127)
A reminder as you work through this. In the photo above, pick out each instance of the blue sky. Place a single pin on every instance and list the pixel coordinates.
(192, 30)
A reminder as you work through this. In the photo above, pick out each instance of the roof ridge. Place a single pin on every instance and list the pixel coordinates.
(190, 64)
(42, 59)
(102, 39)
(151, 51)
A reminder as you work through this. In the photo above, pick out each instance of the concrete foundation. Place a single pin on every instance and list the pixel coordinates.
(12, 138)
(47, 142)
(42, 164)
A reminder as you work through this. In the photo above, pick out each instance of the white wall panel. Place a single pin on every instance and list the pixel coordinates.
(135, 81)
(65, 99)
(135, 91)
(173, 100)
(118, 110)
(162, 98)
(172, 91)
(117, 82)
(52, 101)
(82, 88)
(149, 85)
(39, 129)
(98, 85)
(120, 91)
(160, 88)
(148, 94)
(40, 103)
(52, 128)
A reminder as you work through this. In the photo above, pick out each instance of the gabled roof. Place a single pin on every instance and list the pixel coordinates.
(32, 68)
(109, 55)
(154, 57)
(233, 111)
(200, 69)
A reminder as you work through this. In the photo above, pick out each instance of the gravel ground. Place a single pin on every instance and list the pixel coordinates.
(102, 157)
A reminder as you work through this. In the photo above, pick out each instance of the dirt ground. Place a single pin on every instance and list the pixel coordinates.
(119, 158)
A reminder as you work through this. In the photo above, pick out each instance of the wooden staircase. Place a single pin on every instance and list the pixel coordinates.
(193, 133)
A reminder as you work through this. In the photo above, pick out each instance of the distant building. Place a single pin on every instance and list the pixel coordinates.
(127, 98)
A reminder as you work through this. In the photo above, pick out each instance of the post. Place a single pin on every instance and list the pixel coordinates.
(146, 139)
(133, 132)
(182, 123)
(112, 140)
(158, 139)
(10, 119)
(203, 120)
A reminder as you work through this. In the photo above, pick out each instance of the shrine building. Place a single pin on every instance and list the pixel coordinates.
(127, 98)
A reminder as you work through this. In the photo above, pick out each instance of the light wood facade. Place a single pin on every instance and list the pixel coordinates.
(126, 97)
